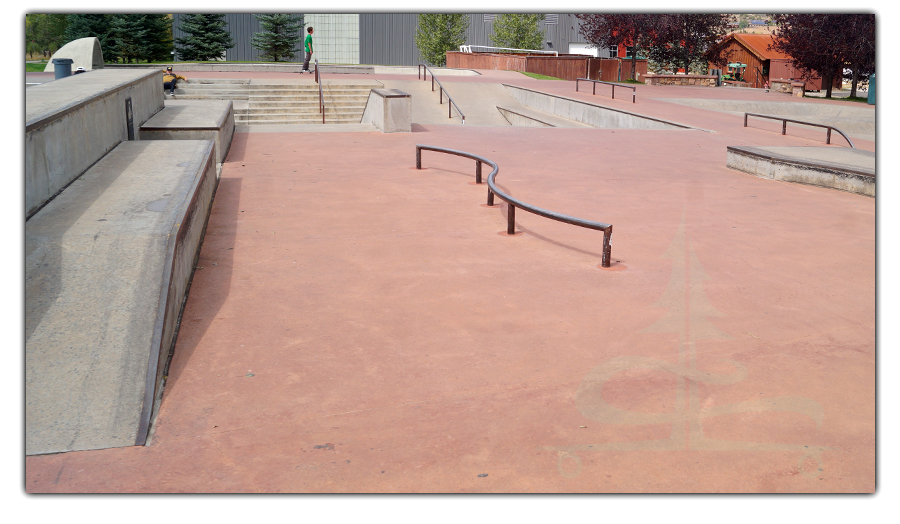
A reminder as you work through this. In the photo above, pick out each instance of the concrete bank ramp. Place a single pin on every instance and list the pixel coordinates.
(484, 104)
(855, 121)
(592, 115)
(107, 264)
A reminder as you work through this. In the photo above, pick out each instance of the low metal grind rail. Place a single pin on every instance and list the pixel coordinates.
(784, 122)
(514, 203)
(424, 76)
(613, 84)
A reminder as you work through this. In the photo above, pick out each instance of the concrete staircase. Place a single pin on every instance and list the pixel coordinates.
(282, 103)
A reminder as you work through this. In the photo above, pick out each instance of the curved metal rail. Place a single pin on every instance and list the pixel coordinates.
(321, 98)
(613, 84)
(514, 203)
(784, 122)
(452, 104)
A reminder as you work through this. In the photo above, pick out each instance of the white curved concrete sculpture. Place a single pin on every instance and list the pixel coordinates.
(85, 52)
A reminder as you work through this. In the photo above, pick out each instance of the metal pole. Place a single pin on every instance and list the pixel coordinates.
(490, 197)
(784, 127)
(478, 171)
(607, 248)
(442, 95)
(614, 92)
(594, 92)
(633, 95)
(510, 219)
(745, 119)
(828, 139)
(418, 158)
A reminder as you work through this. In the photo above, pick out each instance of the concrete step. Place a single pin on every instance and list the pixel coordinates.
(297, 115)
(305, 121)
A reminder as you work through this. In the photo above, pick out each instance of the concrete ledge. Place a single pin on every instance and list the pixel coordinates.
(194, 120)
(72, 122)
(798, 165)
(389, 110)
(680, 80)
(107, 265)
(590, 114)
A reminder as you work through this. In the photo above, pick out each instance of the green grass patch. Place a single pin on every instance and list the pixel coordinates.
(863, 99)
(630, 81)
(35, 68)
(539, 76)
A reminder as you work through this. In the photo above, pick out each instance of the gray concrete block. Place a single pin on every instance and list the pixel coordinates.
(194, 120)
(107, 263)
(72, 122)
(390, 110)
(846, 169)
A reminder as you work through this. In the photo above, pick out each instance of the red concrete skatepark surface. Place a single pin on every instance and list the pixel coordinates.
(356, 325)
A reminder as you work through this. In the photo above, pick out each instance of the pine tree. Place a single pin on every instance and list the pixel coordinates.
(207, 37)
(158, 39)
(279, 36)
(439, 33)
(84, 26)
(129, 32)
(518, 31)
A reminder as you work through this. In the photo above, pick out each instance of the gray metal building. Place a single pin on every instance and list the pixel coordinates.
(383, 38)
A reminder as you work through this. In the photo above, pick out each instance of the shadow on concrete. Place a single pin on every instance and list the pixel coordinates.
(43, 276)
(212, 288)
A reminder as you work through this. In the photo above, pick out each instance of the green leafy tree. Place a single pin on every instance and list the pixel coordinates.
(44, 33)
(279, 37)
(207, 37)
(439, 33)
(518, 31)
(826, 43)
(688, 39)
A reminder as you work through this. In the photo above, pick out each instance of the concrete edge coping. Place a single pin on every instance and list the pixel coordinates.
(46, 118)
(391, 93)
(154, 377)
(605, 108)
(223, 117)
(776, 157)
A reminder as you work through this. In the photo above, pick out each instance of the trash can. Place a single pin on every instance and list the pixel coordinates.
(871, 99)
(62, 67)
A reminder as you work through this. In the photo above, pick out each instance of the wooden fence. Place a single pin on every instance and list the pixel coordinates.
(566, 67)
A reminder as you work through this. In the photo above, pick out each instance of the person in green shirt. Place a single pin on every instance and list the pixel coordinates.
(308, 45)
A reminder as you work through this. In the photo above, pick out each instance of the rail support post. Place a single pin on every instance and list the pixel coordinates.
(510, 219)
(828, 136)
(418, 158)
(490, 200)
(477, 171)
(784, 127)
(614, 92)
(594, 90)
(607, 248)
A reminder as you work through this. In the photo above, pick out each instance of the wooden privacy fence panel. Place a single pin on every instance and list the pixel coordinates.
(565, 67)
(498, 61)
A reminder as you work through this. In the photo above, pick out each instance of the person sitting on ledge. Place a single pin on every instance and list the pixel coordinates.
(170, 79)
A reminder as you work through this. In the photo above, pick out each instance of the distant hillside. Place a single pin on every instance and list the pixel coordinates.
(743, 23)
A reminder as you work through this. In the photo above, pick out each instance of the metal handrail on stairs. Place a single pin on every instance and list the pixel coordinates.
(452, 104)
(321, 98)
